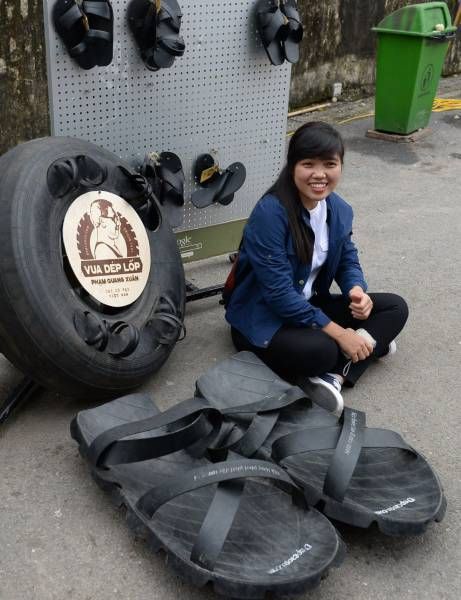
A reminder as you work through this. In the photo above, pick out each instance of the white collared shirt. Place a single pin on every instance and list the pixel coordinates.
(319, 225)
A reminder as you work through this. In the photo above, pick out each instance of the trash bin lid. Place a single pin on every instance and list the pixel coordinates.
(431, 19)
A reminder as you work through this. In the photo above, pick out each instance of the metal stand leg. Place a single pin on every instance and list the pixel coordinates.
(195, 293)
(22, 392)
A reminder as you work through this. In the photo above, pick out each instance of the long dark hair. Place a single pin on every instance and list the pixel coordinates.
(312, 140)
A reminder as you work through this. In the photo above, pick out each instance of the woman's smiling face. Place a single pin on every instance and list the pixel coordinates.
(316, 178)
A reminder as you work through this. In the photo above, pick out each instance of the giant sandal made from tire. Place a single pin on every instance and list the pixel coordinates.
(92, 289)
(353, 473)
(225, 523)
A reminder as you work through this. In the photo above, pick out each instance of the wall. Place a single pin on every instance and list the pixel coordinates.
(337, 46)
(23, 89)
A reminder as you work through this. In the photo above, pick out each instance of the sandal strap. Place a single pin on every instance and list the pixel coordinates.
(230, 476)
(79, 48)
(279, 401)
(292, 13)
(172, 194)
(147, 28)
(217, 523)
(267, 414)
(347, 439)
(346, 454)
(296, 29)
(173, 181)
(192, 419)
(91, 34)
(68, 19)
(171, 14)
(98, 9)
(212, 473)
(256, 434)
(173, 44)
(97, 34)
(273, 26)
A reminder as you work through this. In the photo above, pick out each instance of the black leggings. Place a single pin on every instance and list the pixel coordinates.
(302, 351)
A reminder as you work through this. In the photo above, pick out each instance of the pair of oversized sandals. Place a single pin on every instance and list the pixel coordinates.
(237, 485)
(87, 29)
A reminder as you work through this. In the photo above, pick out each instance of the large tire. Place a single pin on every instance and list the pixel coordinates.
(42, 314)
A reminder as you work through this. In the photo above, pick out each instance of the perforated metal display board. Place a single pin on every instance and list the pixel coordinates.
(223, 97)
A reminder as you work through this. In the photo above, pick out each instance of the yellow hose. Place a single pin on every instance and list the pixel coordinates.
(439, 105)
(443, 104)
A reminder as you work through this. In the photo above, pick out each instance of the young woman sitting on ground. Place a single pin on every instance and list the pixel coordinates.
(296, 242)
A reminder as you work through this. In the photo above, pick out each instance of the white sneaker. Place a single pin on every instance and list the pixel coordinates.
(392, 349)
(325, 391)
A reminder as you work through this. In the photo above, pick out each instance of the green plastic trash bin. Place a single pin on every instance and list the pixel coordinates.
(412, 43)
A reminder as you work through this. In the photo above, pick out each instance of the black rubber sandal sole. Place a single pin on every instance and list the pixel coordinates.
(272, 544)
(394, 486)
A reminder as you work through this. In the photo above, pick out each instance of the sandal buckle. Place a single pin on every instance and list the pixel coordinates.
(85, 22)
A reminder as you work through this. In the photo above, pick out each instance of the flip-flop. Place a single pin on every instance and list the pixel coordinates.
(245, 535)
(295, 33)
(221, 186)
(204, 196)
(273, 29)
(100, 17)
(235, 178)
(72, 26)
(356, 475)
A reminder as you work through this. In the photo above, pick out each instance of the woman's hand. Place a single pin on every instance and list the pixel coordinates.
(351, 343)
(354, 345)
(361, 304)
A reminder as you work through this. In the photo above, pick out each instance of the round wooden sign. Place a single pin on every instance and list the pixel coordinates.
(107, 247)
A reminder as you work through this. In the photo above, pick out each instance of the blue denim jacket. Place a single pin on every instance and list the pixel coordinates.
(270, 277)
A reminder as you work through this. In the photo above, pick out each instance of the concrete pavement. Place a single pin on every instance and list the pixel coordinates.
(61, 538)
